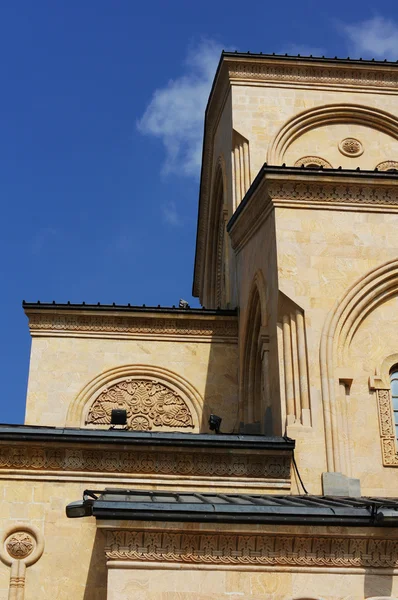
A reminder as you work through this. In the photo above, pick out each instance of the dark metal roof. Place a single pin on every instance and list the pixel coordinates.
(310, 58)
(126, 308)
(29, 433)
(239, 508)
(305, 171)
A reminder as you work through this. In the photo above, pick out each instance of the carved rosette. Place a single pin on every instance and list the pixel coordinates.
(20, 544)
(149, 405)
(351, 147)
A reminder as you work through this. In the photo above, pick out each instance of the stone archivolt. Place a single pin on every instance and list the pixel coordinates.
(247, 549)
(149, 405)
(145, 462)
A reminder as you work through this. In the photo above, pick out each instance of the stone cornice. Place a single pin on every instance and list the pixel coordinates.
(294, 188)
(266, 469)
(301, 72)
(289, 551)
(121, 325)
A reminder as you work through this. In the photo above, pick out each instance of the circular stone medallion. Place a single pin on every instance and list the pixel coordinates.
(351, 147)
(20, 544)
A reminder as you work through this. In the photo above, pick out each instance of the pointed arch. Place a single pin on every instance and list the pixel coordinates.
(216, 247)
(369, 291)
(326, 115)
(253, 376)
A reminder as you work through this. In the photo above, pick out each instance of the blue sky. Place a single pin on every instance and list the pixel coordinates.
(100, 135)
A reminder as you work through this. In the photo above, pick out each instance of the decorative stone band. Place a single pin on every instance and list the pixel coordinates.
(256, 550)
(86, 325)
(162, 462)
(387, 429)
(312, 193)
(321, 74)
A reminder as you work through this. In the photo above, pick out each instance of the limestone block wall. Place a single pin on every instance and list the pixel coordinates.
(321, 254)
(72, 363)
(259, 113)
(208, 562)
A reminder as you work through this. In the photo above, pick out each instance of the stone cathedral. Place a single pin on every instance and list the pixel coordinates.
(122, 484)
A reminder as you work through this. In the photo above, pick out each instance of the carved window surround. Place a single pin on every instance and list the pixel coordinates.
(249, 550)
(386, 421)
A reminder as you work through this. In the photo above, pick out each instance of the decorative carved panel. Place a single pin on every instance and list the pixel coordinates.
(257, 550)
(149, 405)
(387, 429)
(145, 462)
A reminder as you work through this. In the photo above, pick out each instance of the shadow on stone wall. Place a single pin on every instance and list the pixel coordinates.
(96, 583)
(377, 585)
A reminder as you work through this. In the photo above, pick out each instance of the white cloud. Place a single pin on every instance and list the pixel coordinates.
(175, 112)
(373, 38)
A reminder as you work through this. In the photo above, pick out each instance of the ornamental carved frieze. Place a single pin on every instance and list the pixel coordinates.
(145, 462)
(219, 329)
(387, 429)
(257, 550)
(149, 405)
(319, 74)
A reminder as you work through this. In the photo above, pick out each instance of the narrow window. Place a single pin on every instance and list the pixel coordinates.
(394, 395)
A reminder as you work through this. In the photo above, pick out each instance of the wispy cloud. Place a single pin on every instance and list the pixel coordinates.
(175, 112)
(372, 38)
(43, 238)
(170, 214)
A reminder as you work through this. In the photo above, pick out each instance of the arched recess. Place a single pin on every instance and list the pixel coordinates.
(368, 292)
(185, 394)
(217, 247)
(255, 378)
(327, 115)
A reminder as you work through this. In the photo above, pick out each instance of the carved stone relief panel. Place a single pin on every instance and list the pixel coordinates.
(149, 405)
(387, 430)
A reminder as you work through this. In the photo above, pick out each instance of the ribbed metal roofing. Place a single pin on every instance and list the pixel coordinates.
(241, 508)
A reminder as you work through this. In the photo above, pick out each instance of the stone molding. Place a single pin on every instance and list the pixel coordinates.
(160, 462)
(215, 329)
(81, 405)
(324, 75)
(257, 550)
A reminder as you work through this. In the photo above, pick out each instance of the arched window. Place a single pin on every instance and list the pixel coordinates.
(394, 395)
(217, 261)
